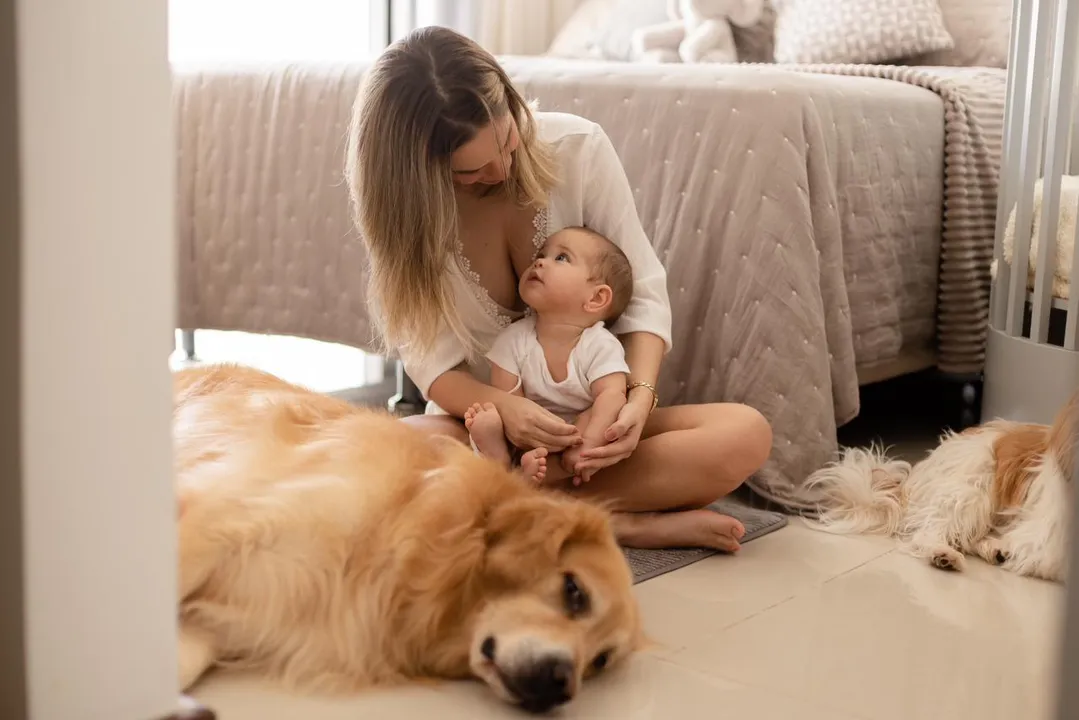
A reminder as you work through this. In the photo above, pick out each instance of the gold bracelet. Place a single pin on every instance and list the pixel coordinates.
(651, 389)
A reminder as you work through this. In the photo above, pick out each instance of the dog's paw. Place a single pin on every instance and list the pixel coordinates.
(992, 551)
(946, 559)
(196, 656)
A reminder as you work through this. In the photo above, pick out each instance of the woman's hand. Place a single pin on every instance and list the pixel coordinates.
(621, 437)
(528, 426)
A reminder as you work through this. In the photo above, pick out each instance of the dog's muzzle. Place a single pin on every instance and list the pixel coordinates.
(542, 685)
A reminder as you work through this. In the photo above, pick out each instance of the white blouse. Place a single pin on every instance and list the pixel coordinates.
(592, 191)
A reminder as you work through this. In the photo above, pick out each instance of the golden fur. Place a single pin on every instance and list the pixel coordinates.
(336, 548)
(1016, 453)
(1019, 454)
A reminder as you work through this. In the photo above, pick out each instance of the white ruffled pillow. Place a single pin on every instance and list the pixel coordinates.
(858, 31)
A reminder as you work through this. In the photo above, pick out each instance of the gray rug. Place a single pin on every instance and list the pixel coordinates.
(647, 564)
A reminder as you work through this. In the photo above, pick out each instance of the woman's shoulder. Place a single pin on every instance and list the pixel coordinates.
(558, 128)
(576, 141)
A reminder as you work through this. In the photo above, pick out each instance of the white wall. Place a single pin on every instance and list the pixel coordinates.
(97, 316)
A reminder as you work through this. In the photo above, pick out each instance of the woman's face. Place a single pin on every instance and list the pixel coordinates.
(487, 158)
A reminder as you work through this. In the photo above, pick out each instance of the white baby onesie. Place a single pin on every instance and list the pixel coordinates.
(597, 354)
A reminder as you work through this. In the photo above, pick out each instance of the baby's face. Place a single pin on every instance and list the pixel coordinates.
(559, 278)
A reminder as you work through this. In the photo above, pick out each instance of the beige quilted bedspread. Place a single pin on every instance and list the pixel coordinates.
(799, 216)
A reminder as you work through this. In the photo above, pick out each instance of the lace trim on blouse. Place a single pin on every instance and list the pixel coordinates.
(496, 312)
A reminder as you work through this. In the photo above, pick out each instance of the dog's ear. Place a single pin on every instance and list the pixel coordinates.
(527, 534)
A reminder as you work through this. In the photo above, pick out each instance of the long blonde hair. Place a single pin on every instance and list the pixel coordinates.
(426, 96)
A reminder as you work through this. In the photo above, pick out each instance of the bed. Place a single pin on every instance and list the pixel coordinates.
(822, 227)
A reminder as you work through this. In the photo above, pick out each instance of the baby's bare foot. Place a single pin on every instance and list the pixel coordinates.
(534, 465)
(471, 413)
(568, 460)
(689, 528)
(485, 428)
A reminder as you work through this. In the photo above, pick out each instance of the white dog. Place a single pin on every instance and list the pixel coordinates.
(1000, 491)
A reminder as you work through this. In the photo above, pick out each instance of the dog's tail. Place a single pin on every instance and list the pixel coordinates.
(862, 492)
(1064, 437)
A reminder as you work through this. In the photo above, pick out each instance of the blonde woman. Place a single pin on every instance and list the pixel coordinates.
(456, 183)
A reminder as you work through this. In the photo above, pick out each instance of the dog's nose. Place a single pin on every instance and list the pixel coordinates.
(546, 684)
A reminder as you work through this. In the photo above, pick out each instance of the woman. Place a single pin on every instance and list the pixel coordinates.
(455, 183)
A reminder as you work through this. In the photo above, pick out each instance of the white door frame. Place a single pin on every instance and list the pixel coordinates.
(87, 513)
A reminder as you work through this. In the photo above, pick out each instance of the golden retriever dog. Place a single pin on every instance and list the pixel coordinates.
(1000, 490)
(335, 548)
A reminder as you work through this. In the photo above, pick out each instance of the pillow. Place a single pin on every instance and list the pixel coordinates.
(858, 31)
(602, 29)
(982, 32)
(576, 39)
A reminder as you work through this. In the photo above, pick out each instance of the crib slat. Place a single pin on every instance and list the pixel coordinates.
(1029, 153)
(1071, 337)
(1073, 149)
(1061, 94)
(1016, 89)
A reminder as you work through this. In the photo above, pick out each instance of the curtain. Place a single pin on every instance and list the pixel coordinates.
(504, 27)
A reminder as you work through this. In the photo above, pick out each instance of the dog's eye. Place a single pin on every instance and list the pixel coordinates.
(573, 596)
(601, 660)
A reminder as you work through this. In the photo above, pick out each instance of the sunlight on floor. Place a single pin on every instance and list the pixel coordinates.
(321, 366)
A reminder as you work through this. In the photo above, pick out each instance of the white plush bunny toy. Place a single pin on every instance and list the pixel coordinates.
(698, 31)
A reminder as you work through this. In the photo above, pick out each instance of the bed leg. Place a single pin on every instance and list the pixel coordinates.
(971, 403)
(187, 339)
(408, 400)
(967, 396)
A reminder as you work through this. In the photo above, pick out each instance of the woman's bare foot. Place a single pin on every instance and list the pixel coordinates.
(484, 426)
(687, 528)
(534, 465)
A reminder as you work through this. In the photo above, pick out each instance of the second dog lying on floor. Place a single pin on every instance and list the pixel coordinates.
(1001, 491)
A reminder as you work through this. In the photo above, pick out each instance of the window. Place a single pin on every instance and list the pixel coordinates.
(321, 366)
(283, 31)
(276, 30)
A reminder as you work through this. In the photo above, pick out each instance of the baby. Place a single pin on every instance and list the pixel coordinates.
(560, 355)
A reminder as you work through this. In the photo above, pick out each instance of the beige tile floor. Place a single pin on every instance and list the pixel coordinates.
(798, 625)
